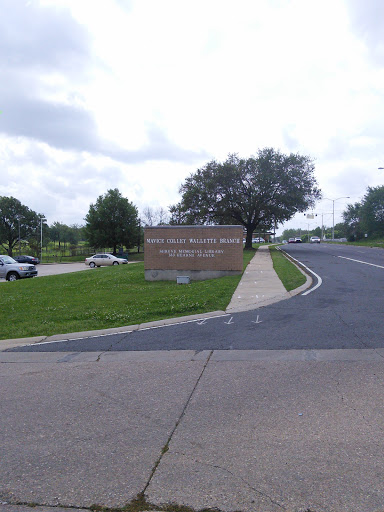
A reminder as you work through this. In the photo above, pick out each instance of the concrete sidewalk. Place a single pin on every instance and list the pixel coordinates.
(249, 431)
(260, 285)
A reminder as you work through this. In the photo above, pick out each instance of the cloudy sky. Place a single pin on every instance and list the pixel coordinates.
(136, 94)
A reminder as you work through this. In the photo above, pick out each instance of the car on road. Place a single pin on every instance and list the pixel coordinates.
(298, 240)
(291, 240)
(315, 240)
(11, 270)
(27, 259)
(104, 260)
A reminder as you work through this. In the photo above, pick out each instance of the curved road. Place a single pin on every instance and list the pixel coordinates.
(346, 311)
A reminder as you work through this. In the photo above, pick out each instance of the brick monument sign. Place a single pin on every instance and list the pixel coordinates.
(200, 252)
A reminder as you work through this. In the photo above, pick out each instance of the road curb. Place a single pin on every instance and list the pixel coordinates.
(17, 342)
(309, 280)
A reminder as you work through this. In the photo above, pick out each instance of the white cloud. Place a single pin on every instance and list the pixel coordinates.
(137, 94)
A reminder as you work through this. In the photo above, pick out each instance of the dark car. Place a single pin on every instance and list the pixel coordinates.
(27, 259)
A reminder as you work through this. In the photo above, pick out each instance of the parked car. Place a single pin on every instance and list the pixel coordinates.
(258, 240)
(103, 260)
(27, 259)
(284, 242)
(315, 240)
(291, 240)
(11, 270)
(298, 240)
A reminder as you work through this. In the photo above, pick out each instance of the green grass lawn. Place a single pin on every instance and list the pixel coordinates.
(289, 274)
(103, 298)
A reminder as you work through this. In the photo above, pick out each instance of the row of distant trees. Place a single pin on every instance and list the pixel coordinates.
(20, 227)
(360, 220)
(112, 221)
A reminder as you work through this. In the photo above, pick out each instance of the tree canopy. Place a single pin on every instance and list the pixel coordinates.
(112, 221)
(257, 192)
(17, 219)
(372, 211)
(366, 216)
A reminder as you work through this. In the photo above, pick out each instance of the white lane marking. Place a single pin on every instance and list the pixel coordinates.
(124, 332)
(319, 280)
(359, 261)
(257, 320)
(229, 321)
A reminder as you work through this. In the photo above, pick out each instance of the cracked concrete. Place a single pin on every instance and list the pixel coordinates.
(278, 438)
(242, 432)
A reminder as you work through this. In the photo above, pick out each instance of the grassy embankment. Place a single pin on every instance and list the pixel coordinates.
(289, 274)
(105, 297)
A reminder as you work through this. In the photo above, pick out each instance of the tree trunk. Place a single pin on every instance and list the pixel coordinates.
(248, 239)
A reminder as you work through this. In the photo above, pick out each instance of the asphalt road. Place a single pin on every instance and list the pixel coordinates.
(345, 311)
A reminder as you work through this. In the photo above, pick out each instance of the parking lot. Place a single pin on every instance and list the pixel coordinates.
(51, 269)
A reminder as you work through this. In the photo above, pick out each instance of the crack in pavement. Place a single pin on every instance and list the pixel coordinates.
(216, 466)
(359, 339)
(166, 446)
(113, 344)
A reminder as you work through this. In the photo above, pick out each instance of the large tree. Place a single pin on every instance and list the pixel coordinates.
(112, 221)
(352, 221)
(372, 211)
(258, 192)
(17, 222)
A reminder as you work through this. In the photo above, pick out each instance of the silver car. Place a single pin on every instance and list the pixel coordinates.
(103, 260)
(11, 270)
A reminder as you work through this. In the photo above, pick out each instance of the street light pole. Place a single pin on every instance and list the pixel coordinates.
(333, 212)
(322, 226)
(41, 237)
(18, 220)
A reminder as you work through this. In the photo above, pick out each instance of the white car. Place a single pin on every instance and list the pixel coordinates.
(103, 260)
(315, 240)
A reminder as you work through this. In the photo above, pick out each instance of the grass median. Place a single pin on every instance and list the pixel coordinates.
(289, 274)
(105, 297)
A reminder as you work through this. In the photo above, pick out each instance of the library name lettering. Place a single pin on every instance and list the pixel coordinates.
(212, 246)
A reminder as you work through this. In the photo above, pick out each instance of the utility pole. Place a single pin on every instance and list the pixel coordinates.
(41, 237)
(333, 212)
(18, 220)
(322, 226)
